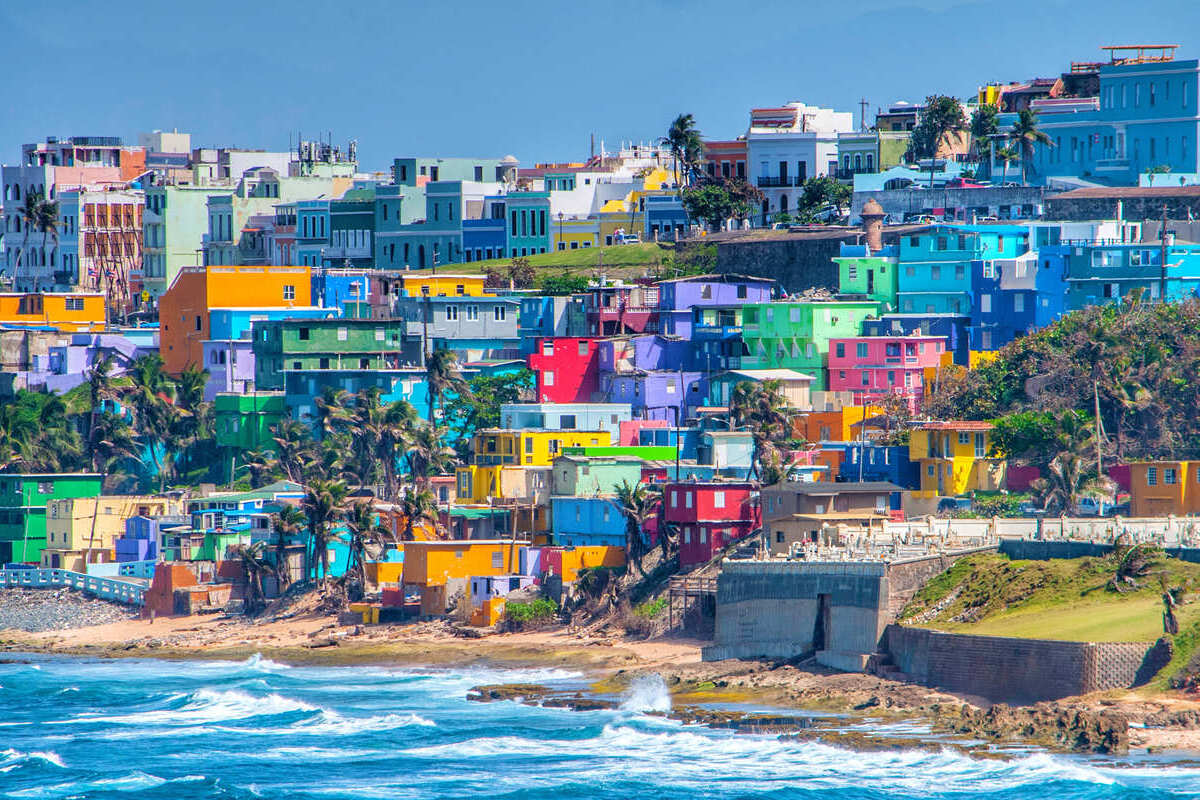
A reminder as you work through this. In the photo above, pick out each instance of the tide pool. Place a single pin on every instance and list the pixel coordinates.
(80, 728)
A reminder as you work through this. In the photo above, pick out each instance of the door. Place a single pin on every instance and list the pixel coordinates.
(870, 281)
(821, 628)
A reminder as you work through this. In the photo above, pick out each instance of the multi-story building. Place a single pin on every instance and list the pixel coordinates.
(531, 448)
(796, 512)
(955, 458)
(587, 521)
(796, 335)
(475, 327)
(243, 422)
(726, 159)
(549, 316)
(352, 230)
(871, 274)
(566, 369)
(708, 516)
(590, 475)
(567, 416)
(228, 354)
(173, 228)
(716, 334)
(529, 229)
(1163, 488)
(789, 144)
(1106, 271)
(935, 264)
(680, 298)
(315, 346)
(185, 309)
(874, 367)
(23, 501)
(616, 307)
(66, 312)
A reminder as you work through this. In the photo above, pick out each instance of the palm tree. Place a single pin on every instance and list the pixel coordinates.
(261, 466)
(685, 145)
(286, 523)
(332, 413)
(153, 412)
(638, 503)
(761, 409)
(47, 222)
(1025, 135)
(368, 540)
(426, 453)
(323, 503)
(29, 213)
(256, 568)
(395, 434)
(293, 442)
(442, 376)
(1006, 155)
(418, 506)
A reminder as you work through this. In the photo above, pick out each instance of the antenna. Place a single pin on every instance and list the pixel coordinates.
(862, 117)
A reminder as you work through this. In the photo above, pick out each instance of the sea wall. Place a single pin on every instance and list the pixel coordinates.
(1033, 550)
(1011, 670)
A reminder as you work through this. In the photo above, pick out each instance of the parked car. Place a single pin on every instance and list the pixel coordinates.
(1091, 507)
(924, 219)
(964, 183)
(629, 238)
(948, 505)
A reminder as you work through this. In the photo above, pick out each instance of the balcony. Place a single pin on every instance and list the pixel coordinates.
(767, 182)
(711, 331)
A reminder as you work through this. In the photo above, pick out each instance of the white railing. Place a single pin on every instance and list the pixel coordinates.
(120, 591)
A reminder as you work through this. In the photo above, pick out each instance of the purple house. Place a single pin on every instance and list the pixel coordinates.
(660, 394)
(645, 353)
(678, 296)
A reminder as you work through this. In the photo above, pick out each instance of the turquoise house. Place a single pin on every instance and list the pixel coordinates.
(935, 275)
(1105, 273)
(529, 228)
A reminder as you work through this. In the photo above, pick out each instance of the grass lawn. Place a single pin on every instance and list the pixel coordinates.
(1064, 599)
(619, 256)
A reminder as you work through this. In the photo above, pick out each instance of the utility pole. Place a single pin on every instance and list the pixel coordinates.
(1099, 429)
(1162, 264)
(862, 116)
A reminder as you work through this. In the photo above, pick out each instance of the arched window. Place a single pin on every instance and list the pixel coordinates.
(857, 161)
(870, 162)
(766, 209)
(16, 191)
(421, 256)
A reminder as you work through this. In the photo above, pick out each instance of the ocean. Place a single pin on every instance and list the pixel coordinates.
(86, 728)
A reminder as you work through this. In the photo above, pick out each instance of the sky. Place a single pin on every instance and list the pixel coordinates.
(531, 78)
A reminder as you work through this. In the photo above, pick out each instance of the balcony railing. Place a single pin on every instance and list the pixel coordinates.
(767, 182)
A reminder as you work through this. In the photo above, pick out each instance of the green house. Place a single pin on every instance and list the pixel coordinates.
(874, 276)
(243, 423)
(332, 344)
(585, 476)
(23, 500)
(796, 335)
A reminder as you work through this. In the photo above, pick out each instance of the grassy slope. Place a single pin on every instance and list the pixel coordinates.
(625, 256)
(1057, 599)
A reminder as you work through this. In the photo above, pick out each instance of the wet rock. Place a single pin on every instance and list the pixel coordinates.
(37, 610)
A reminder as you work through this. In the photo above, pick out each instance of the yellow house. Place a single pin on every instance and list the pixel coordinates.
(954, 458)
(83, 529)
(72, 313)
(443, 285)
(1160, 488)
(441, 569)
(576, 234)
(530, 448)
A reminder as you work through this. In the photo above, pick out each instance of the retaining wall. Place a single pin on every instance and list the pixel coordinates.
(1032, 550)
(1003, 669)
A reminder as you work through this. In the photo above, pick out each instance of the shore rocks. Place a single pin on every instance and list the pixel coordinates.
(1048, 725)
(37, 610)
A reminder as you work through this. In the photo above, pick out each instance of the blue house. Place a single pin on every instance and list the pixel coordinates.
(875, 462)
(587, 521)
(312, 231)
(1144, 116)
(1102, 272)
(664, 216)
(546, 316)
(333, 288)
(688, 440)
(935, 264)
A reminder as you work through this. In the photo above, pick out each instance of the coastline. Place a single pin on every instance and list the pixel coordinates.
(1098, 724)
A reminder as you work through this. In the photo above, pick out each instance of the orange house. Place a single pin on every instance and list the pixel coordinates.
(1160, 488)
(832, 426)
(68, 312)
(183, 310)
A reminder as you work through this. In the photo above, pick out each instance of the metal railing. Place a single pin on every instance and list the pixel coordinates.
(120, 591)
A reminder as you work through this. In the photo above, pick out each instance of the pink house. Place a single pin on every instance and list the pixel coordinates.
(873, 367)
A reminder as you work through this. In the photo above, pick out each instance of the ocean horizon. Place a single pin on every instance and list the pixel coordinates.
(146, 728)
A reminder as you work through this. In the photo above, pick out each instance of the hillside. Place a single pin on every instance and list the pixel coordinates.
(1142, 360)
(991, 595)
(632, 257)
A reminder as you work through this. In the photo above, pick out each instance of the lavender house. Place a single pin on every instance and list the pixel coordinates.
(644, 353)
(678, 296)
(661, 394)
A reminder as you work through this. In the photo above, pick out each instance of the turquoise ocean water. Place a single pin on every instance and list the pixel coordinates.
(78, 728)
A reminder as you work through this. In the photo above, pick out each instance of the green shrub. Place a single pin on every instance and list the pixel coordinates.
(534, 612)
(651, 608)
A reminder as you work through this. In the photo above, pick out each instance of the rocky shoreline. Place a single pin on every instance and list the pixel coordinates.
(38, 610)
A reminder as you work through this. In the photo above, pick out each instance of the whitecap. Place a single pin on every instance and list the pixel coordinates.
(206, 706)
(647, 693)
(258, 663)
(13, 757)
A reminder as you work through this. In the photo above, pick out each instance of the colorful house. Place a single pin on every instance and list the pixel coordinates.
(874, 367)
(566, 416)
(708, 516)
(954, 458)
(83, 530)
(592, 521)
(23, 501)
(935, 264)
(793, 386)
(796, 335)
(872, 275)
(796, 512)
(567, 370)
(67, 312)
(529, 447)
(441, 570)
(615, 307)
(1162, 488)
(588, 475)
(310, 345)
(184, 309)
(680, 299)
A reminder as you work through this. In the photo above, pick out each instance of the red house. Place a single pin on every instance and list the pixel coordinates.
(567, 369)
(709, 515)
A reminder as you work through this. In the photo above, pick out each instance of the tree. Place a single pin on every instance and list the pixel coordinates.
(521, 273)
(294, 445)
(285, 524)
(1006, 155)
(368, 540)
(819, 196)
(442, 376)
(323, 504)
(149, 398)
(716, 200)
(563, 284)
(28, 213)
(419, 506)
(984, 125)
(255, 568)
(941, 118)
(761, 409)
(47, 221)
(466, 414)
(427, 453)
(686, 146)
(638, 503)
(332, 412)
(1025, 135)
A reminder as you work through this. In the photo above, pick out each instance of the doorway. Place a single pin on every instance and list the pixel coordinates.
(821, 629)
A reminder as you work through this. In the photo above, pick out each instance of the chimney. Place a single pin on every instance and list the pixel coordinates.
(872, 217)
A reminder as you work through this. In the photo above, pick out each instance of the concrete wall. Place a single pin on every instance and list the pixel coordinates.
(1144, 206)
(1019, 670)
(901, 202)
(1023, 549)
(797, 262)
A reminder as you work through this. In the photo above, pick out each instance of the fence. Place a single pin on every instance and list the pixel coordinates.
(120, 591)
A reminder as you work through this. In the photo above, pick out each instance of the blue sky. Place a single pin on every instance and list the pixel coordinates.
(529, 77)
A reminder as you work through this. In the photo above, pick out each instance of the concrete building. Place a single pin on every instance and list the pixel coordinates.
(308, 346)
(229, 354)
(795, 512)
(84, 530)
(874, 367)
(796, 335)
(174, 225)
(566, 416)
(955, 458)
(23, 501)
(709, 516)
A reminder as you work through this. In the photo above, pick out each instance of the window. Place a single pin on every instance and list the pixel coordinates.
(583, 349)
(324, 364)
(674, 499)
(451, 313)
(498, 313)
(960, 272)
(866, 378)
(687, 499)
(840, 349)
(860, 349)
(1152, 476)
(548, 378)
(289, 292)
(1018, 303)
(342, 334)
(985, 303)
(964, 438)
(935, 273)
(718, 499)
(1168, 472)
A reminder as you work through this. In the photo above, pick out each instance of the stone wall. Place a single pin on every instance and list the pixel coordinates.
(901, 203)
(1003, 669)
(1142, 206)
(797, 262)
(1034, 550)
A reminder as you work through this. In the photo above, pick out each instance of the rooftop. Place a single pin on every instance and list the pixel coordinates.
(835, 487)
